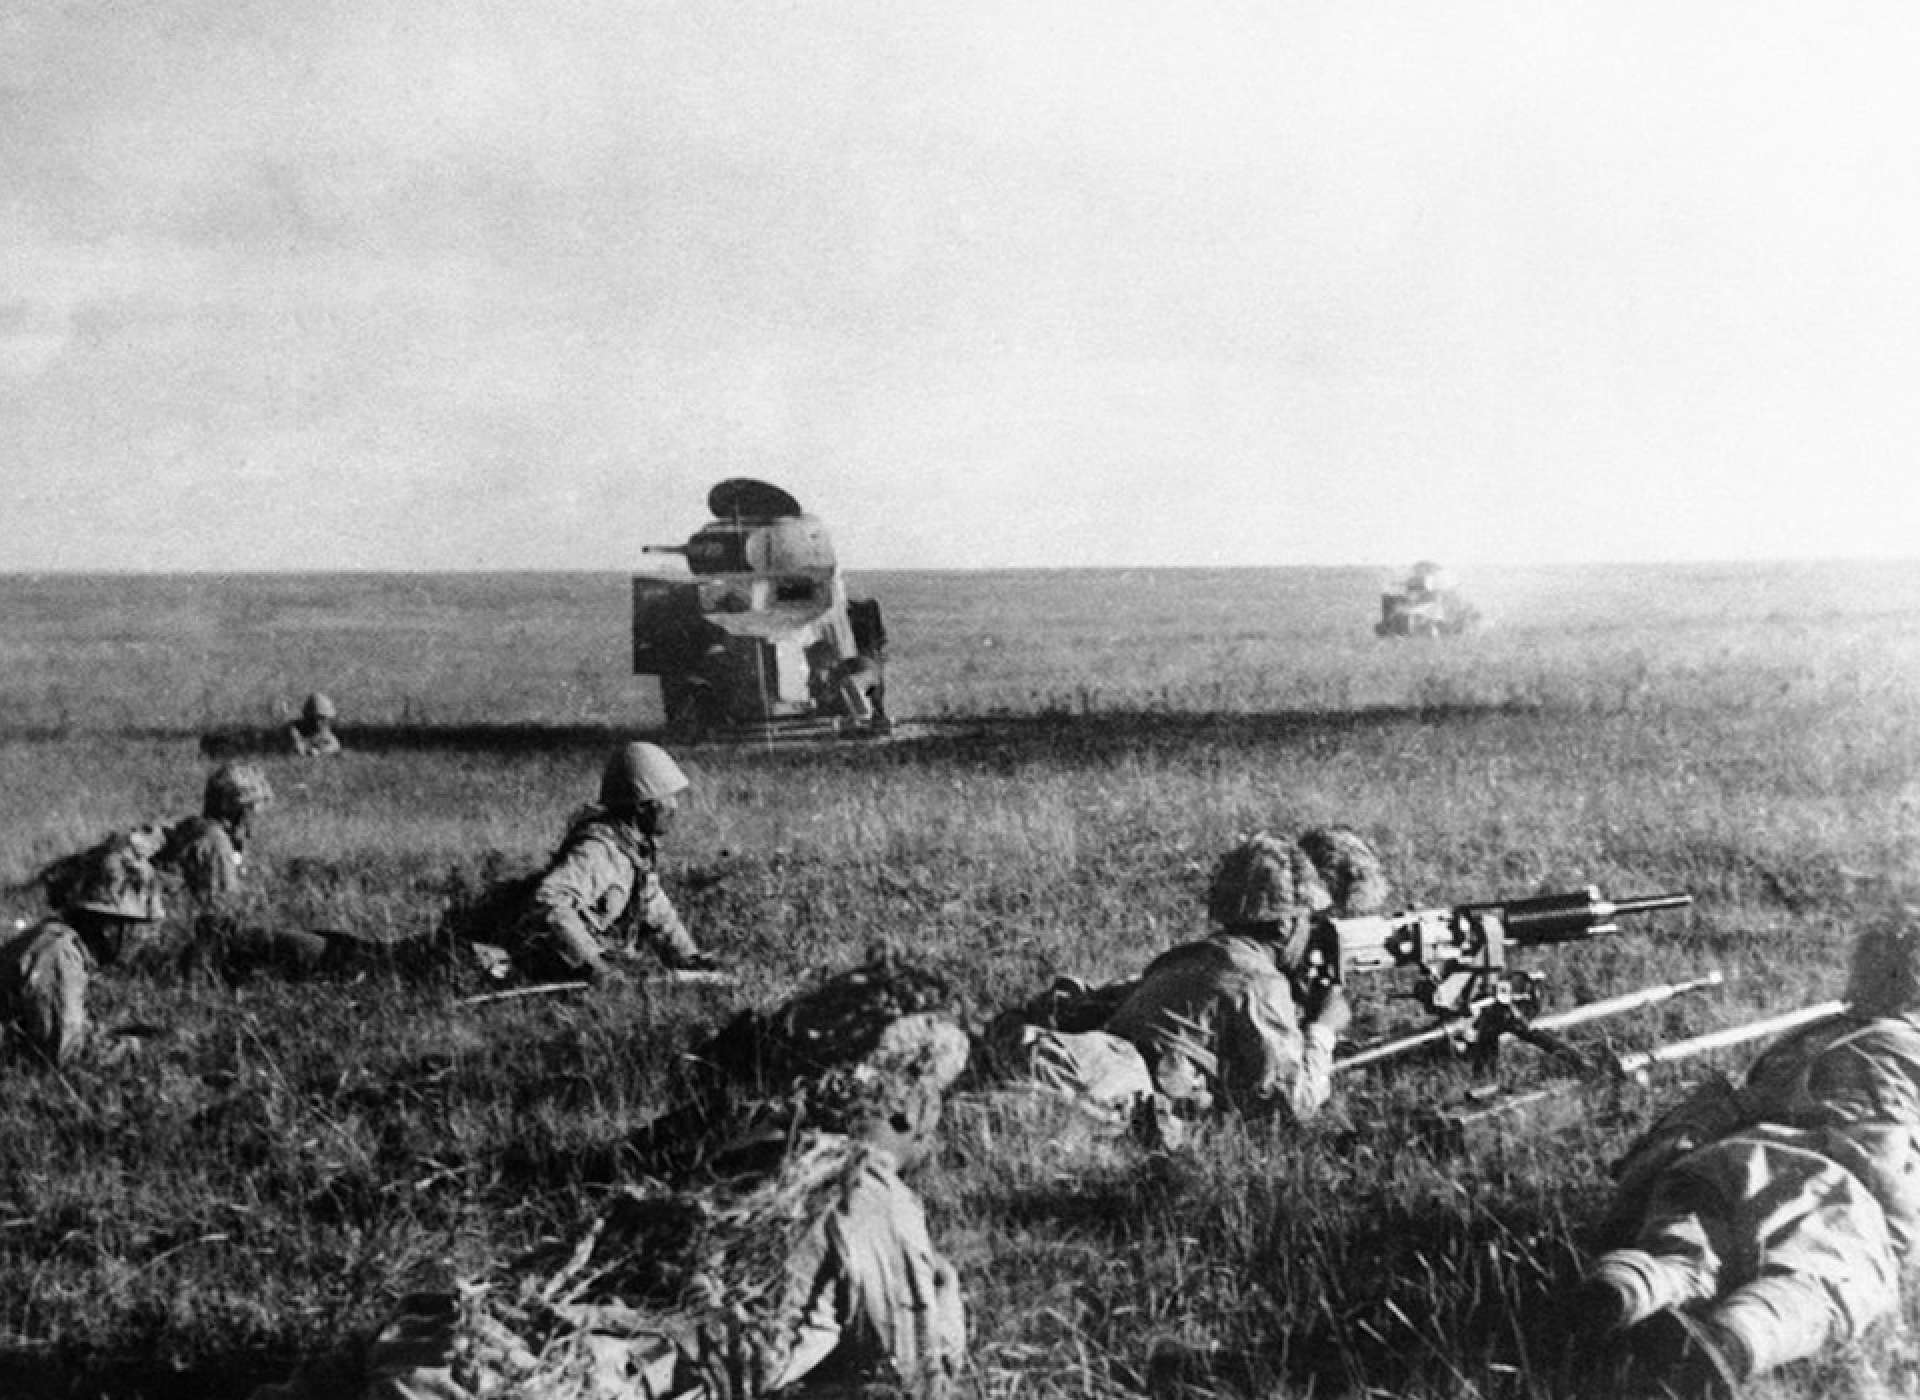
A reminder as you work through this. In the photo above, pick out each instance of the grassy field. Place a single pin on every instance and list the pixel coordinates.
(276, 1163)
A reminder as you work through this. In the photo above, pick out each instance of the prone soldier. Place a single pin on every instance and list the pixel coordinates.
(1216, 1023)
(45, 970)
(207, 853)
(1766, 1222)
(1219, 1020)
(795, 1243)
(599, 897)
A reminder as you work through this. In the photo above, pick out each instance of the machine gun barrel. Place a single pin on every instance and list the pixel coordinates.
(1468, 937)
(663, 549)
(1555, 1021)
(1562, 918)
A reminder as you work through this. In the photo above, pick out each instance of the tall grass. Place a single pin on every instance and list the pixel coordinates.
(268, 1166)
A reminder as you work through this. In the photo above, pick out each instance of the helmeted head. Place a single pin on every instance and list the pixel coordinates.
(1268, 889)
(869, 1053)
(234, 792)
(1348, 867)
(893, 1096)
(116, 883)
(1884, 979)
(319, 709)
(639, 776)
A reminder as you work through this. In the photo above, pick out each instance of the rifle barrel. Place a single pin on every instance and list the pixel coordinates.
(1386, 1050)
(1637, 1064)
(1559, 1020)
(1626, 1001)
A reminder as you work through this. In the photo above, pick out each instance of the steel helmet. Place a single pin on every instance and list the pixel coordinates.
(1348, 867)
(1264, 881)
(234, 789)
(319, 707)
(639, 773)
(118, 883)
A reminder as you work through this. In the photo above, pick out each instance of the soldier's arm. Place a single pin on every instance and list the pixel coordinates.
(1264, 1049)
(662, 926)
(588, 877)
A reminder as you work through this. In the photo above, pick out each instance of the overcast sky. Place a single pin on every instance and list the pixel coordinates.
(460, 284)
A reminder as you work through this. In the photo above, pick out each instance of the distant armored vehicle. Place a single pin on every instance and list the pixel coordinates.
(762, 641)
(1425, 604)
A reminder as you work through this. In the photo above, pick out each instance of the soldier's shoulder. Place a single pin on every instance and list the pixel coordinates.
(49, 930)
(196, 835)
(609, 836)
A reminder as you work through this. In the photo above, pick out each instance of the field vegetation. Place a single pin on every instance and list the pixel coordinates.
(262, 1169)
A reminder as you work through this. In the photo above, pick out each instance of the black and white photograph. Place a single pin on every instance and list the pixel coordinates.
(710, 698)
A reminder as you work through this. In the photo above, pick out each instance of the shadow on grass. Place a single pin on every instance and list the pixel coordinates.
(961, 737)
(49, 1374)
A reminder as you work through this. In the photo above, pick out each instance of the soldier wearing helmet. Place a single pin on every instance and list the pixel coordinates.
(1218, 1020)
(312, 736)
(600, 896)
(207, 853)
(44, 971)
(771, 1238)
(1766, 1223)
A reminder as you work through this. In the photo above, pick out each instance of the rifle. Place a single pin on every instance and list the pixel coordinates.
(1535, 1029)
(1459, 955)
(1491, 1109)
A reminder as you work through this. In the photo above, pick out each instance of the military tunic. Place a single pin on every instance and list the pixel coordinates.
(315, 743)
(1217, 1023)
(1789, 1224)
(600, 896)
(226, 934)
(860, 1281)
(202, 854)
(44, 973)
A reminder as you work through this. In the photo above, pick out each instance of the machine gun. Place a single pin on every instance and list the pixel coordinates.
(1463, 979)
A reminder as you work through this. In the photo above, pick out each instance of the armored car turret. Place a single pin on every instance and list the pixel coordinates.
(762, 640)
(1427, 603)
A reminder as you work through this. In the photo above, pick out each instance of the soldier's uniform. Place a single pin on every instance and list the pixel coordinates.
(206, 853)
(206, 856)
(1210, 1024)
(745, 1287)
(43, 988)
(1058, 1043)
(202, 854)
(1771, 1220)
(600, 895)
(45, 970)
(851, 1262)
(312, 736)
(1217, 1022)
